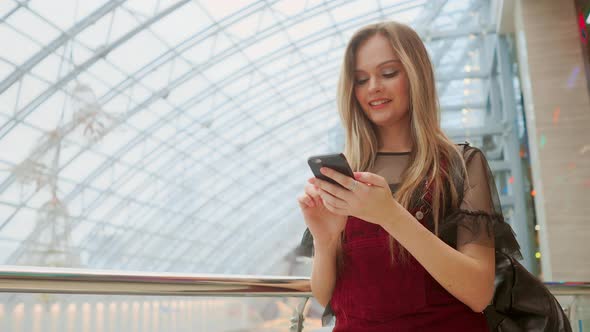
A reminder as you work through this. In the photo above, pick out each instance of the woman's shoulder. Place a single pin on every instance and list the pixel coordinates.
(468, 151)
(464, 146)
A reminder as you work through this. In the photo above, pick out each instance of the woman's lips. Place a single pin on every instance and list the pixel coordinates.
(381, 105)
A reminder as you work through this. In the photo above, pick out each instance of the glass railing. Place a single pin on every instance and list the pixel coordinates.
(38, 299)
(574, 298)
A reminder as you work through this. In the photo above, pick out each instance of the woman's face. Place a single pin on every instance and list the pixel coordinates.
(380, 82)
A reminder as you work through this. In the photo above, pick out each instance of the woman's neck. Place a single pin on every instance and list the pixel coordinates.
(395, 139)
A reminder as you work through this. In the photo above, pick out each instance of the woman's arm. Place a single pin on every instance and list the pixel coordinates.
(467, 273)
(323, 274)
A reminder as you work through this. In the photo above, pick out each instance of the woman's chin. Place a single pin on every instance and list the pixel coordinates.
(381, 120)
(385, 119)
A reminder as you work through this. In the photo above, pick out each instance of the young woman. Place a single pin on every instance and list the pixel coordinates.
(410, 245)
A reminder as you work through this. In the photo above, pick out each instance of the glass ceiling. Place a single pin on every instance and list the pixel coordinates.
(173, 135)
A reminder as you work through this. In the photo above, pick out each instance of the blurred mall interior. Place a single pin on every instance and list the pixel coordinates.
(151, 151)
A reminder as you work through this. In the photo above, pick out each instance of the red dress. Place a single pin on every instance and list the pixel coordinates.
(371, 294)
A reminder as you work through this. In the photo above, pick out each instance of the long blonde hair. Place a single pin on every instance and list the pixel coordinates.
(431, 145)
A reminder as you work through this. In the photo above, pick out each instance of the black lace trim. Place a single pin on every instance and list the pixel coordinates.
(480, 213)
(477, 227)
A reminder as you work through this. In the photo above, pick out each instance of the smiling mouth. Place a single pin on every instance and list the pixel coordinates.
(379, 102)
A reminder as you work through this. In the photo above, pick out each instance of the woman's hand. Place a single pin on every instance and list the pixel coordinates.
(368, 196)
(325, 226)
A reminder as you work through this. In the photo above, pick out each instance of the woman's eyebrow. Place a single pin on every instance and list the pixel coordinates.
(382, 63)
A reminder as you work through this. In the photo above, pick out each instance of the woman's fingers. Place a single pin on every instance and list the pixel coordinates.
(309, 201)
(313, 192)
(326, 194)
(306, 200)
(332, 200)
(301, 202)
(333, 189)
(334, 209)
(371, 179)
(344, 180)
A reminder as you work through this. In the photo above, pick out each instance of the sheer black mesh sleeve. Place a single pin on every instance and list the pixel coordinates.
(479, 218)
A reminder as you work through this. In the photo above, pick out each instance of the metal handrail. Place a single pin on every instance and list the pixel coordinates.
(559, 288)
(28, 279)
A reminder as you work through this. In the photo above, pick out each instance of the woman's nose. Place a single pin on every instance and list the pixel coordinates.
(374, 85)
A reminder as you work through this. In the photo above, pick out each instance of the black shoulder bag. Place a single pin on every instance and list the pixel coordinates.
(522, 302)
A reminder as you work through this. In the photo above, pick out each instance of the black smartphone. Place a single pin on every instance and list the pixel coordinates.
(335, 161)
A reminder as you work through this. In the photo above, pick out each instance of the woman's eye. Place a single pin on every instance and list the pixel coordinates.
(361, 81)
(390, 74)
